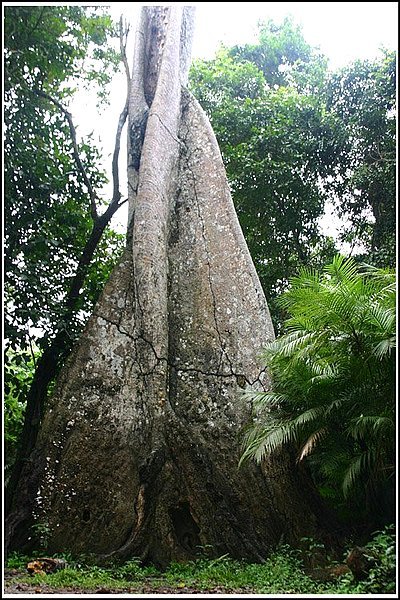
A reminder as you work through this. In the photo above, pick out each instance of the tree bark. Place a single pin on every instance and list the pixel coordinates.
(138, 451)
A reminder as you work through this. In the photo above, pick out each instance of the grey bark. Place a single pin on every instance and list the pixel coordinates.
(138, 452)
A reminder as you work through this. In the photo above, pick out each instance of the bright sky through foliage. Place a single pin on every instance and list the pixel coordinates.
(344, 32)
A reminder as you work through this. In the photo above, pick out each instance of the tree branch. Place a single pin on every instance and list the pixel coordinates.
(115, 170)
(31, 348)
(116, 195)
(123, 32)
(81, 168)
(115, 202)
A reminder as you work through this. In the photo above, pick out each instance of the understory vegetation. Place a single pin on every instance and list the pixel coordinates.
(285, 571)
(333, 387)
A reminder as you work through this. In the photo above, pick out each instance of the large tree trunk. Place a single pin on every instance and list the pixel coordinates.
(138, 452)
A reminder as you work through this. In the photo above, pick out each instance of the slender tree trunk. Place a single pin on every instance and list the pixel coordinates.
(138, 452)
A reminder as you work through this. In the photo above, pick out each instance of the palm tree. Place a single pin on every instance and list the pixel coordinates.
(333, 381)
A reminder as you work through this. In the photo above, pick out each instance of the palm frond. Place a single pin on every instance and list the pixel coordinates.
(332, 375)
(384, 347)
(312, 414)
(385, 318)
(364, 427)
(334, 406)
(342, 268)
(265, 400)
(307, 277)
(323, 372)
(290, 343)
(260, 441)
(333, 462)
(382, 274)
(386, 293)
(352, 474)
(311, 443)
(360, 466)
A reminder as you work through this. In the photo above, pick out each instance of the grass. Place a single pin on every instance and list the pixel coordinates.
(282, 573)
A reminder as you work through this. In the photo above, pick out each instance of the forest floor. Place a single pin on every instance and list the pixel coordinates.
(16, 582)
(283, 572)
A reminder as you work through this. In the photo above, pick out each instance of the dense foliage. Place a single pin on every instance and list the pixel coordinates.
(363, 96)
(333, 385)
(19, 370)
(52, 50)
(296, 138)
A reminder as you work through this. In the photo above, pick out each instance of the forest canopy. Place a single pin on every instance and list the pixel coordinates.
(297, 138)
